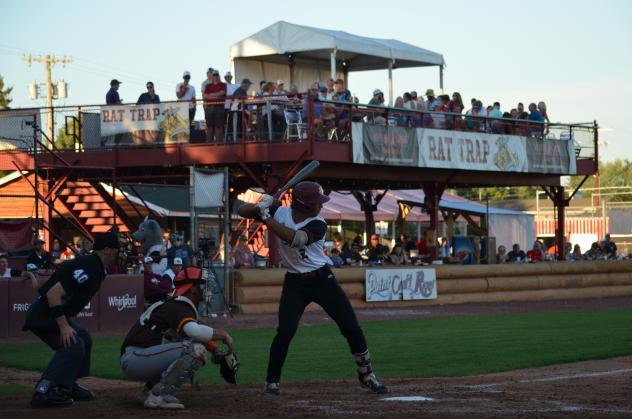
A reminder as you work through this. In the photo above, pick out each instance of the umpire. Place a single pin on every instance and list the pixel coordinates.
(64, 295)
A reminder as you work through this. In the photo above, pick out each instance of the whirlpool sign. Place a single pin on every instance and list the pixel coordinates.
(400, 284)
(122, 302)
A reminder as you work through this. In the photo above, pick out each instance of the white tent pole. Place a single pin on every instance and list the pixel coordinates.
(333, 64)
(441, 78)
(390, 83)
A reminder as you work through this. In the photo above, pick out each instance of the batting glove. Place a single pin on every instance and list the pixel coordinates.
(264, 213)
(266, 202)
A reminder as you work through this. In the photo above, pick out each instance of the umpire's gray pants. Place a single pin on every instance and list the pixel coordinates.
(148, 364)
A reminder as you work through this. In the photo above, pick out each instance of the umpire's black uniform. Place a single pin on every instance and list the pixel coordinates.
(80, 279)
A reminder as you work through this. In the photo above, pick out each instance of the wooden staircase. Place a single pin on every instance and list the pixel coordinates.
(88, 205)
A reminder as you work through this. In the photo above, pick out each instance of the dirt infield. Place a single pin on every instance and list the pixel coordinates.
(601, 388)
(585, 389)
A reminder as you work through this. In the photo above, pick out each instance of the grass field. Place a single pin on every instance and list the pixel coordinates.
(408, 348)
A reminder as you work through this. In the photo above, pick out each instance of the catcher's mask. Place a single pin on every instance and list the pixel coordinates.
(186, 279)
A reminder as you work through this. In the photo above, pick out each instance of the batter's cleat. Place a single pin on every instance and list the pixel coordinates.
(52, 398)
(373, 383)
(272, 389)
(162, 402)
(81, 394)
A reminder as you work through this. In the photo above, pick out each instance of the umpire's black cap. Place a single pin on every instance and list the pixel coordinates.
(106, 240)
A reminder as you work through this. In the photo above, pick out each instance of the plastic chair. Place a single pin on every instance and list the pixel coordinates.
(295, 128)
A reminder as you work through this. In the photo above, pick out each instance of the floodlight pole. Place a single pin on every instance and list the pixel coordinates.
(441, 78)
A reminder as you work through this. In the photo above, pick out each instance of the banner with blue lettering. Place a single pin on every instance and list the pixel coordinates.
(400, 284)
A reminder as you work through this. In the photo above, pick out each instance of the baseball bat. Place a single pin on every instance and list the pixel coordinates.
(300, 175)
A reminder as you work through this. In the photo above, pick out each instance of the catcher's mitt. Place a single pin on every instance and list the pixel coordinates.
(228, 365)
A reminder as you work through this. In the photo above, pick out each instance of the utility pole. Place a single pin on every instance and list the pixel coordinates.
(49, 61)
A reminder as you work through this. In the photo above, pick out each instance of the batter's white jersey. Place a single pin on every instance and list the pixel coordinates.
(311, 256)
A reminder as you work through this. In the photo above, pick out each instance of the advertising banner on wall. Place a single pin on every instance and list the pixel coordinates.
(400, 284)
(462, 150)
(161, 123)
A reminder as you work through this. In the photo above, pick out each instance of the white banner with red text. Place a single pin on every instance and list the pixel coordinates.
(161, 123)
(400, 284)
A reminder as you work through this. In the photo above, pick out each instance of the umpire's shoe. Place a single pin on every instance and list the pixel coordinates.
(81, 394)
(48, 396)
(373, 383)
(272, 389)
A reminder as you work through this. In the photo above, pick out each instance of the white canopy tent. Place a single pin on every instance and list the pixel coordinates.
(303, 54)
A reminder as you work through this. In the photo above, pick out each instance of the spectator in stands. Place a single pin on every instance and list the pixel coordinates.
(593, 253)
(262, 83)
(39, 260)
(431, 105)
(495, 111)
(341, 245)
(181, 250)
(542, 110)
(398, 118)
(398, 256)
(427, 244)
(501, 256)
(344, 95)
(534, 114)
(472, 122)
(418, 102)
(407, 243)
(214, 93)
(336, 259)
(186, 92)
(516, 255)
(514, 113)
(56, 253)
(6, 272)
(230, 90)
(438, 119)
(242, 256)
(456, 103)
(156, 287)
(577, 253)
(444, 248)
(536, 254)
(279, 88)
(610, 248)
(375, 251)
(331, 90)
(149, 96)
(174, 269)
(376, 100)
(522, 114)
(208, 80)
(112, 97)
(294, 96)
(408, 103)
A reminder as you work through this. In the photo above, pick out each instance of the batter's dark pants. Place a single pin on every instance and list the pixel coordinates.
(68, 364)
(297, 293)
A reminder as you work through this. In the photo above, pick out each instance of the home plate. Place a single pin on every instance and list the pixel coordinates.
(408, 399)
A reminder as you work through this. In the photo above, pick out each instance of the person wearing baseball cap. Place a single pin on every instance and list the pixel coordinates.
(112, 97)
(62, 297)
(39, 261)
(302, 233)
(186, 92)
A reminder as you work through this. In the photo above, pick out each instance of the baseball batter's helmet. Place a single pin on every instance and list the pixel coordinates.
(309, 193)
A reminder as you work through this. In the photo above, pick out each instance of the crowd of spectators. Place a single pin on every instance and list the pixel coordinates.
(223, 98)
(605, 249)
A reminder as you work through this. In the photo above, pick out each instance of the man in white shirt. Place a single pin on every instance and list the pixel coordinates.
(186, 92)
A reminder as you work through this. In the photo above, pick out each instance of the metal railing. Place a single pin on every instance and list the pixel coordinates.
(280, 119)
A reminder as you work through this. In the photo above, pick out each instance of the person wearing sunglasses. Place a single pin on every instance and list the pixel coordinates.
(149, 96)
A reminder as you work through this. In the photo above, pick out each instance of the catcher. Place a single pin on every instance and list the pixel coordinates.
(167, 345)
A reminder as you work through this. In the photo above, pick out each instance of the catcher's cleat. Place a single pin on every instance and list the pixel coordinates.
(81, 394)
(52, 398)
(162, 402)
(272, 389)
(169, 398)
(373, 383)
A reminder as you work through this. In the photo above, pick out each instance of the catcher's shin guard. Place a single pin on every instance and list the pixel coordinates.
(182, 369)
